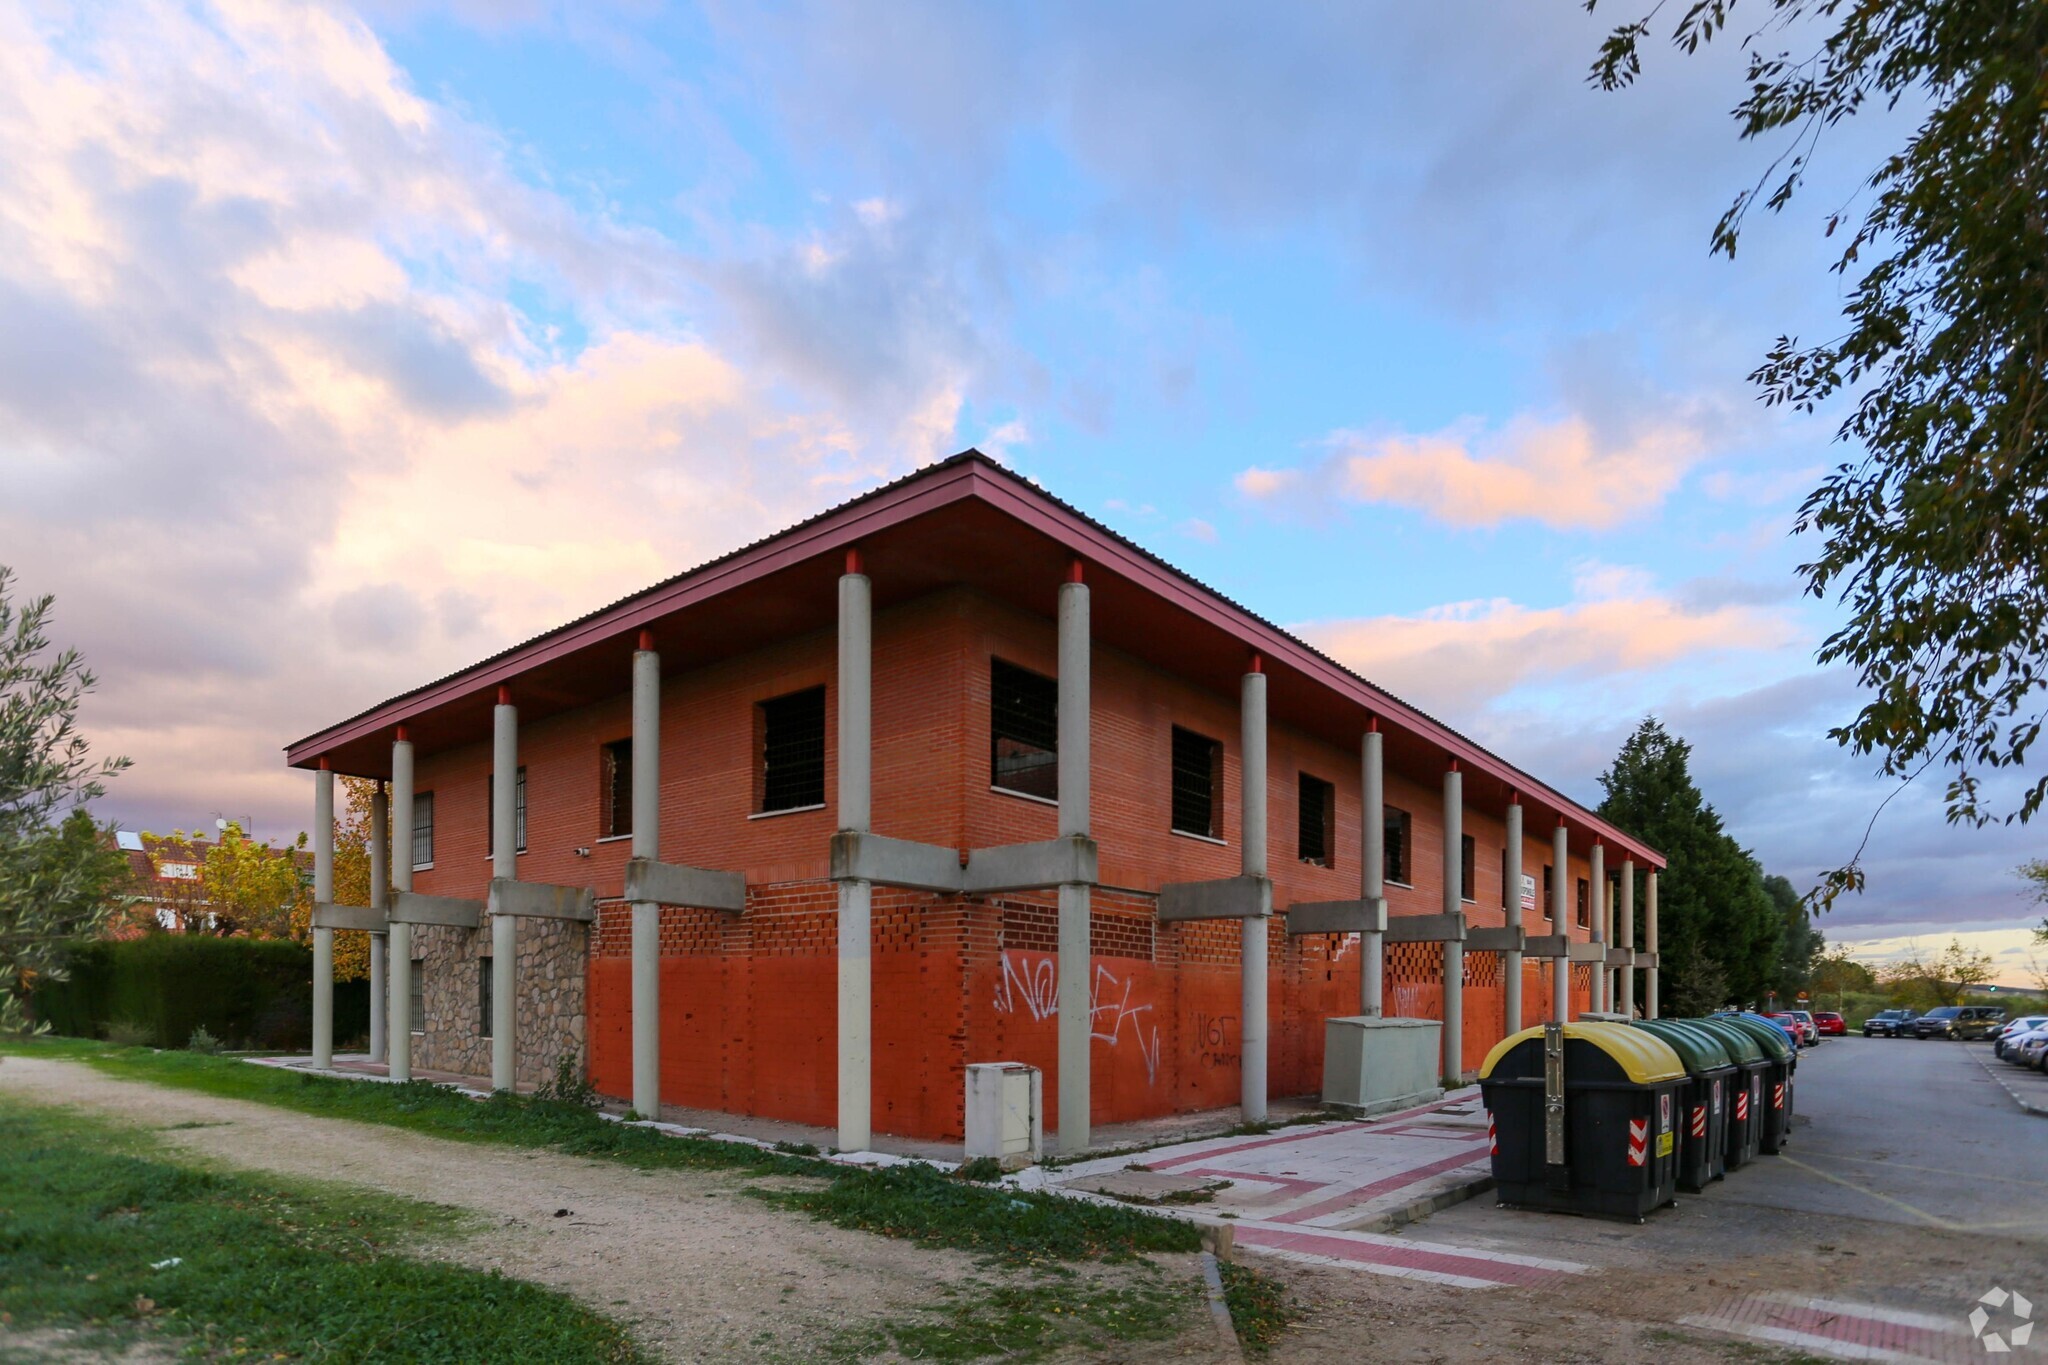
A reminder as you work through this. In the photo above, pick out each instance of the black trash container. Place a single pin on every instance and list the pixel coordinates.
(1747, 1090)
(1620, 1088)
(1702, 1104)
(1784, 1059)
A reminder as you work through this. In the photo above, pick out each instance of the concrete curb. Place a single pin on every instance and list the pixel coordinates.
(1417, 1210)
(1992, 1067)
(1219, 1308)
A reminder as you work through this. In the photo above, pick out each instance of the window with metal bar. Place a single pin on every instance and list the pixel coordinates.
(483, 996)
(1395, 867)
(616, 768)
(1585, 904)
(1468, 872)
(1549, 903)
(422, 830)
(1197, 776)
(1317, 838)
(793, 750)
(417, 1023)
(1023, 731)
(518, 813)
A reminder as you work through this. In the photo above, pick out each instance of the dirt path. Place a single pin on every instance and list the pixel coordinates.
(701, 1271)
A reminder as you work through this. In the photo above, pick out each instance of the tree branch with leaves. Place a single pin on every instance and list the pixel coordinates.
(1934, 533)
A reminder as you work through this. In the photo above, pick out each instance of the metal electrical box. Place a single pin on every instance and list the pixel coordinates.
(1005, 1113)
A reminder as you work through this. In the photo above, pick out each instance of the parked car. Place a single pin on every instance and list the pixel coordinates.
(1793, 1025)
(2002, 1038)
(1831, 1024)
(1793, 1029)
(2031, 1049)
(1958, 1021)
(1889, 1023)
(1807, 1025)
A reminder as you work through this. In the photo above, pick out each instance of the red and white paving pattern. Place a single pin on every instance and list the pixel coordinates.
(1304, 1193)
(1845, 1331)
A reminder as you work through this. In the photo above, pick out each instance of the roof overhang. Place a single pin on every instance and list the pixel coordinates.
(964, 522)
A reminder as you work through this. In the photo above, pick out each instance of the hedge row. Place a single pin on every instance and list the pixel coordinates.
(247, 993)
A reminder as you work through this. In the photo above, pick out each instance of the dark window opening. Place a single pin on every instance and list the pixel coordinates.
(1318, 836)
(1395, 868)
(483, 995)
(418, 1004)
(617, 765)
(423, 830)
(1549, 896)
(1585, 904)
(1468, 867)
(1197, 777)
(793, 750)
(518, 813)
(1023, 731)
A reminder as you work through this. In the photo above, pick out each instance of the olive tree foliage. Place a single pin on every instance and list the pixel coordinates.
(1934, 533)
(58, 870)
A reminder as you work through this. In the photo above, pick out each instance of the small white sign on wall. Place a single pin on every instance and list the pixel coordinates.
(1528, 892)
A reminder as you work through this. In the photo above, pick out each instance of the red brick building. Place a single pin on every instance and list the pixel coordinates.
(832, 925)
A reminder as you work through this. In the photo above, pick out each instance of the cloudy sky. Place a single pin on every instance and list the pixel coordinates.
(340, 348)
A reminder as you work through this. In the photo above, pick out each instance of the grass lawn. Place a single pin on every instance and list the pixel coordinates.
(102, 1235)
(1032, 1236)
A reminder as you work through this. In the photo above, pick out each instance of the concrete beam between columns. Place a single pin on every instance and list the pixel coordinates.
(860, 855)
(673, 884)
(1338, 917)
(1067, 861)
(1547, 945)
(359, 917)
(541, 900)
(1426, 929)
(1511, 940)
(413, 907)
(1225, 898)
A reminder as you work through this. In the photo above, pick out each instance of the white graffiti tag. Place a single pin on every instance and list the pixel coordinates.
(1033, 987)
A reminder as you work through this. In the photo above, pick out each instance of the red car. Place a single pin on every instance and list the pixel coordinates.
(1831, 1024)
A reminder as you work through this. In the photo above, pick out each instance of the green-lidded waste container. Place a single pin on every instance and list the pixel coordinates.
(1614, 1150)
(1702, 1103)
(1746, 1100)
(1784, 1059)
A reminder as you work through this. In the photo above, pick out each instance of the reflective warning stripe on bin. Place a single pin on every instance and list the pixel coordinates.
(1699, 1120)
(1778, 1095)
(1638, 1141)
(1492, 1135)
(1742, 1105)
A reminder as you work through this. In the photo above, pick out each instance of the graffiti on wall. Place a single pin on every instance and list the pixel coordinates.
(1030, 984)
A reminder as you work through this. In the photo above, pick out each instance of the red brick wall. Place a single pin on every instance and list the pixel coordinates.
(750, 1002)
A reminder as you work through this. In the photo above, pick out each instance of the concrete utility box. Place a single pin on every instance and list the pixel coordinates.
(1372, 1066)
(1005, 1113)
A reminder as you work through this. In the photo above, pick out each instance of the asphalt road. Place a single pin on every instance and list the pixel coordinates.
(1891, 1136)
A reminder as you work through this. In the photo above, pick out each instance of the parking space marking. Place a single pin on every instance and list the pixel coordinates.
(1929, 1170)
(1932, 1220)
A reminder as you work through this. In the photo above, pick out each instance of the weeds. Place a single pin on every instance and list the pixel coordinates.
(102, 1232)
(1260, 1306)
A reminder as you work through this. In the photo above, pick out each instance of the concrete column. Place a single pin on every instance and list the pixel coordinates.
(1076, 1015)
(1627, 915)
(1454, 951)
(1252, 941)
(1561, 921)
(1372, 961)
(323, 939)
(1650, 942)
(1596, 915)
(856, 898)
(647, 844)
(1511, 897)
(398, 1028)
(504, 863)
(380, 878)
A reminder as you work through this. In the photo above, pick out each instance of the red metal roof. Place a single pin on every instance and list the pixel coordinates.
(998, 532)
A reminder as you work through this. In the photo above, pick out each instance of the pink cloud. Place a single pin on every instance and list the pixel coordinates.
(1465, 654)
(1567, 473)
